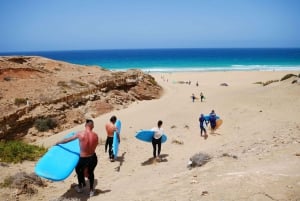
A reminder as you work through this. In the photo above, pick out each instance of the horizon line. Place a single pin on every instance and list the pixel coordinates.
(162, 48)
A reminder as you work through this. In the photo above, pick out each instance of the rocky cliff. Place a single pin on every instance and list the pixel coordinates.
(36, 88)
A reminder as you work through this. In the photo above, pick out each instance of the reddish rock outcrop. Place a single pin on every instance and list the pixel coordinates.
(34, 88)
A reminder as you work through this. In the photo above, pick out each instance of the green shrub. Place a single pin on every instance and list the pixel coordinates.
(269, 82)
(45, 124)
(20, 101)
(7, 78)
(287, 76)
(18, 151)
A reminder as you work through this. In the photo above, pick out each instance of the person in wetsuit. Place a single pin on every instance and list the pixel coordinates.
(88, 142)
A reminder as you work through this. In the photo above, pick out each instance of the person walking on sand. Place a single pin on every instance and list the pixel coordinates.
(110, 129)
(156, 139)
(202, 128)
(212, 120)
(88, 142)
(193, 97)
(201, 97)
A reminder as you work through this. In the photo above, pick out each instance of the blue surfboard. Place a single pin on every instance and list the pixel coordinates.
(207, 117)
(59, 161)
(116, 143)
(147, 135)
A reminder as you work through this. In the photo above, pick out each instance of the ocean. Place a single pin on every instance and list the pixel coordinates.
(172, 60)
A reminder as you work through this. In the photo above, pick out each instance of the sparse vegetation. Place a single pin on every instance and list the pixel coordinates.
(175, 141)
(198, 160)
(24, 183)
(7, 78)
(266, 83)
(153, 81)
(18, 151)
(78, 83)
(20, 101)
(18, 60)
(287, 76)
(45, 124)
(269, 82)
(63, 84)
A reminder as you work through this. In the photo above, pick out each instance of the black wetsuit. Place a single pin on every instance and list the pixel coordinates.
(158, 143)
(109, 143)
(202, 129)
(212, 120)
(86, 162)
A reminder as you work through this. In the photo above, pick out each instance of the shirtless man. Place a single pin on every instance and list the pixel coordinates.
(110, 129)
(88, 141)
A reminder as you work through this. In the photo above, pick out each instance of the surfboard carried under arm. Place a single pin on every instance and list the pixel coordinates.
(59, 161)
(116, 142)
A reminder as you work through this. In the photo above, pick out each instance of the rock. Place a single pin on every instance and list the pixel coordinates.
(224, 84)
(59, 90)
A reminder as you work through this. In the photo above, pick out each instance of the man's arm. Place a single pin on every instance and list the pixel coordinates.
(65, 140)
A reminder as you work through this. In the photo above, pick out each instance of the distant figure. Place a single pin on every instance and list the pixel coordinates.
(202, 97)
(212, 120)
(202, 128)
(193, 97)
(197, 84)
(88, 141)
(28, 104)
(110, 129)
(156, 140)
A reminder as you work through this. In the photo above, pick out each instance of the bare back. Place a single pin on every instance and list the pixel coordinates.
(88, 141)
(110, 128)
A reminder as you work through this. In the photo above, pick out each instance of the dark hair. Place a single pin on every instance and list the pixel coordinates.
(89, 122)
(113, 119)
(159, 123)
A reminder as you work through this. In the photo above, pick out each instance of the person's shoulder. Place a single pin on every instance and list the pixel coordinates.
(79, 134)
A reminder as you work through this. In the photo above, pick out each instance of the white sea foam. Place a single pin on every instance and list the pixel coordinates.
(221, 68)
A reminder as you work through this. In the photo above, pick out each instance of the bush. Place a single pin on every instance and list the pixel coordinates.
(45, 124)
(258, 82)
(269, 82)
(287, 76)
(18, 151)
(20, 101)
(7, 78)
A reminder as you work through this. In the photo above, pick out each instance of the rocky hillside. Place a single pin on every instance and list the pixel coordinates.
(36, 89)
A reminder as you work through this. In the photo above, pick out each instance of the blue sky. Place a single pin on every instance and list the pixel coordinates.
(34, 25)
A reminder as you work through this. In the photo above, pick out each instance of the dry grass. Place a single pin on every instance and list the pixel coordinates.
(175, 141)
(25, 183)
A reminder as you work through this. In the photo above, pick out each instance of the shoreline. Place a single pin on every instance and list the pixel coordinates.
(196, 70)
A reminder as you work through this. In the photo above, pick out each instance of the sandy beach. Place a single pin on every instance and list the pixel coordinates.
(255, 154)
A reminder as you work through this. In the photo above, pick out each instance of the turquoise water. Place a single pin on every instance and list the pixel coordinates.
(171, 60)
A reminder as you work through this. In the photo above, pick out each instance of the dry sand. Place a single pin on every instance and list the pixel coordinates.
(255, 153)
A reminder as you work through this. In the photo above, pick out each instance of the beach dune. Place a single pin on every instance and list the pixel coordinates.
(254, 155)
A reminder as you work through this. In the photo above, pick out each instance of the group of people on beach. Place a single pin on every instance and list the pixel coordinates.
(88, 142)
(201, 97)
(210, 119)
